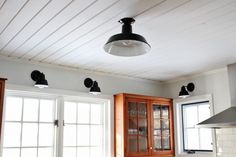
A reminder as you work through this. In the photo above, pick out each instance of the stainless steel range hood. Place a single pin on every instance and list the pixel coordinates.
(226, 118)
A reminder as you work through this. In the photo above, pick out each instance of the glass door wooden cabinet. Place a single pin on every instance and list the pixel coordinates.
(143, 126)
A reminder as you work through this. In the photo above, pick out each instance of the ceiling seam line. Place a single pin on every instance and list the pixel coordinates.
(76, 28)
(12, 52)
(114, 27)
(49, 1)
(3, 4)
(92, 3)
(14, 16)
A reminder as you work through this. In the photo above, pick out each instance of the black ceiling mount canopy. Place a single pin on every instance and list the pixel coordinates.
(39, 79)
(127, 43)
(184, 92)
(93, 85)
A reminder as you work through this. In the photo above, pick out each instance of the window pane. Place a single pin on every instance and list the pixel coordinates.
(29, 134)
(96, 152)
(96, 135)
(96, 114)
(205, 139)
(30, 110)
(191, 140)
(69, 152)
(11, 152)
(28, 152)
(45, 152)
(204, 112)
(83, 113)
(190, 115)
(83, 135)
(70, 112)
(46, 111)
(13, 109)
(69, 135)
(12, 133)
(82, 151)
(46, 134)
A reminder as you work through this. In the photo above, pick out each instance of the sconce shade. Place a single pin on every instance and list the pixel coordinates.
(183, 92)
(127, 43)
(93, 85)
(95, 89)
(39, 79)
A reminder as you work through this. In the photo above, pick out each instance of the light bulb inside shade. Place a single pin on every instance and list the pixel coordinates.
(184, 96)
(127, 48)
(95, 93)
(41, 86)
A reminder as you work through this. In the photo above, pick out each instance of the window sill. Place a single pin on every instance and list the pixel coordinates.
(196, 154)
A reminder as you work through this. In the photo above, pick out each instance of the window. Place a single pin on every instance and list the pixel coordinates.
(39, 126)
(29, 129)
(196, 139)
(83, 129)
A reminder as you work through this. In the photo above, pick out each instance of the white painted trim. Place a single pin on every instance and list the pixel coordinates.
(77, 69)
(178, 125)
(189, 77)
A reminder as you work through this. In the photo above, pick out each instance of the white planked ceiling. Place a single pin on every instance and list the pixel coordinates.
(187, 36)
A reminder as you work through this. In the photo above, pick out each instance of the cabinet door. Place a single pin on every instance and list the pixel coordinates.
(137, 128)
(162, 130)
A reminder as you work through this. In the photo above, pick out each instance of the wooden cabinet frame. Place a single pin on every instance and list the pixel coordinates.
(121, 125)
(2, 90)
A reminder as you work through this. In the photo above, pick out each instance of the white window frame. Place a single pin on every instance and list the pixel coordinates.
(61, 96)
(179, 126)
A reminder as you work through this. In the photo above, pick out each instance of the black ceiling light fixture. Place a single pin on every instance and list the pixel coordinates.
(39, 79)
(127, 44)
(93, 85)
(184, 92)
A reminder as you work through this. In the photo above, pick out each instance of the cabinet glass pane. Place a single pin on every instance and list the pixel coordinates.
(142, 109)
(165, 124)
(165, 132)
(157, 143)
(156, 111)
(133, 144)
(166, 142)
(133, 126)
(157, 124)
(143, 144)
(142, 126)
(157, 132)
(132, 109)
(165, 112)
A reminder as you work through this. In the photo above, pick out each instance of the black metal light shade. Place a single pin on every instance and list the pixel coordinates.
(184, 92)
(95, 89)
(93, 85)
(127, 43)
(39, 79)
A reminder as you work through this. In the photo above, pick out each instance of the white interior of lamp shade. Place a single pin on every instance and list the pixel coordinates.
(127, 48)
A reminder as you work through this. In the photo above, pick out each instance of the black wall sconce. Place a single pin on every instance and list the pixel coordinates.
(93, 85)
(39, 79)
(184, 92)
